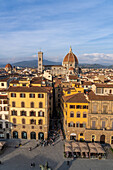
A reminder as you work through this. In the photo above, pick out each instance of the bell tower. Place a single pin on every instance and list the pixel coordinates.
(40, 62)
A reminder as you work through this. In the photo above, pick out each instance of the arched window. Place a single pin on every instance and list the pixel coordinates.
(22, 104)
(32, 121)
(84, 115)
(71, 124)
(23, 121)
(41, 113)
(24, 135)
(71, 114)
(23, 113)
(40, 105)
(84, 125)
(40, 122)
(32, 104)
(14, 120)
(78, 114)
(77, 124)
(13, 104)
(32, 113)
(14, 113)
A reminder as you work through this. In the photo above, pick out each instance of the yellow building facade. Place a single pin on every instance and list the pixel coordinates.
(75, 116)
(30, 109)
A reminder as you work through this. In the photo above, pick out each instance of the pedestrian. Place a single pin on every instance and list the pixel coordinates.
(67, 162)
(0, 162)
(30, 149)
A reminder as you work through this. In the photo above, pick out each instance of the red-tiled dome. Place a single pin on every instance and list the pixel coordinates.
(70, 57)
(8, 66)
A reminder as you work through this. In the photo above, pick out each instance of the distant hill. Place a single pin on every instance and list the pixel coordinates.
(96, 66)
(34, 63)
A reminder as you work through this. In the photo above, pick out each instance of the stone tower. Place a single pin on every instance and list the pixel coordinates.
(40, 61)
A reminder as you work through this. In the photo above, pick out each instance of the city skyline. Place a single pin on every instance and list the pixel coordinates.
(52, 26)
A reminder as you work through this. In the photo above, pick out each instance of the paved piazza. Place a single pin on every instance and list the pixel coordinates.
(20, 158)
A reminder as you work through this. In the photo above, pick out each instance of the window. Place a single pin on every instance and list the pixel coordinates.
(85, 107)
(6, 125)
(13, 104)
(23, 113)
(112, 125)
(32, 121)
(105, 109)
(22, 95)
(81, 134)
(14, 120)
(40, 95)
(32, 113)
(13, 94)
(32, 104)
(14, 113)
(41, 114)
(6, 117)
(94, 108)
(72, 114)
(2, 84)
(32, 95)
(40, 105)
(22, 104)
(110, 91)
(81, 125)
(93, 124)
(5, 102)
(84, 125)
(0, 125)
(0, 101)
(0, 108)
(0, 117)
(103, 124)
(84, 115)
(78, 114)
(23, 121)
(72, 106)
(77, 124)
(78, 107)
(5, 108)
(40, 122)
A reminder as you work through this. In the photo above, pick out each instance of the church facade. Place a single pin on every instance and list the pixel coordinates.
(69, 65)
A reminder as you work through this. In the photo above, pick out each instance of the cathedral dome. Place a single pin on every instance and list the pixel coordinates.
(70, 58)
(8, 66)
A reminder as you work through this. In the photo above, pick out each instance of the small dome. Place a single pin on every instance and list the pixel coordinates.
(8, 66)
(70, 57)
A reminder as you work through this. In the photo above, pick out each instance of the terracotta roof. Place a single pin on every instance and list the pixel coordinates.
(93, 96)
(14, 81)
(28, 89)
(76, 98)
(4, 80)
(3, 96)
(87, 83)
(73, 77)
(104, 85)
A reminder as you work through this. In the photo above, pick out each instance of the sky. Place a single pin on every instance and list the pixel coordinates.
(28, 26)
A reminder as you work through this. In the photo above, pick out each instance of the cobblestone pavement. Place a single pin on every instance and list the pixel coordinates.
(21, 158)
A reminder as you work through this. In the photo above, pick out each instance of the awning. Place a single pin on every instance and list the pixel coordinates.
(93, 150)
